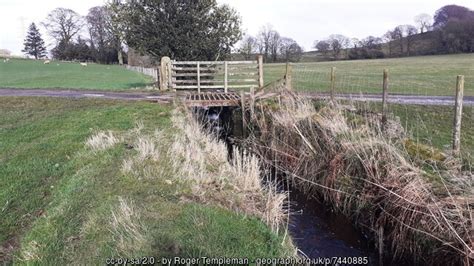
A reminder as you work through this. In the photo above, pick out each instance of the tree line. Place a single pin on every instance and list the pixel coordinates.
(450, 30)
(271, 45)
(206, 30)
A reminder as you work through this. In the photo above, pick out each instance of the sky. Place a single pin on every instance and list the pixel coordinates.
(302, 20)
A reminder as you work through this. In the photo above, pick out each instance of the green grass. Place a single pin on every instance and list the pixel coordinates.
(35, 75)
(433, 125)
(423, 75)
(57, 197)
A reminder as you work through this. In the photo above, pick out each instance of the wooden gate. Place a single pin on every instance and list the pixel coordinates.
(211, 75)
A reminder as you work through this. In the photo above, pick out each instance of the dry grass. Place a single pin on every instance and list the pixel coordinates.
(30, 252)
(102, 141)
(126, 229)
(364, 174)
(198, 155)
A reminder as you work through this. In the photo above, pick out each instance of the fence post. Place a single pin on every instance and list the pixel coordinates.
(252, 102)
(260, 71)
(288, 76)
(244, 123)
(165, 71)
(225, 76)
(384, 98)
(458, 115)
(333, 82)
(199, 77)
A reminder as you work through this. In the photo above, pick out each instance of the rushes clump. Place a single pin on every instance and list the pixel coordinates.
(372, 178)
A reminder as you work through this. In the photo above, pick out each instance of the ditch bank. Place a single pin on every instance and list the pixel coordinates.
(355, 190)
(316, 230)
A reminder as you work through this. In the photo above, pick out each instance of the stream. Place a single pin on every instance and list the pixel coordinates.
(315, 229)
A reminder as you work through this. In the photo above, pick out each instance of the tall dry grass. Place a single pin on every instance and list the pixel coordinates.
(197, 154)
(420, 210)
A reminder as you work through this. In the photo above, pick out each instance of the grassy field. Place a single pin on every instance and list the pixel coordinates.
(62, 202)
(34, 74)
(424, 75)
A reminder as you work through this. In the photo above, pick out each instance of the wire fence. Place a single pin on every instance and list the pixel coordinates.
(422, 100)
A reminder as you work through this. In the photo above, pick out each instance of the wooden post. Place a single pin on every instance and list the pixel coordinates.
(333, 83)
(288, 76)
(244, 123)
(252, 102)
(458, 115)
(260, 71)
(225, 76)
(199, 77)
(158, 77)
(381, 245)
(165, 73)
(384, 98)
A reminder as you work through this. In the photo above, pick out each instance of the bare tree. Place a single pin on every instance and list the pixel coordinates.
(269, 43)
(63, 24)
(398, 34)
(264, 37)
(248, 46)
(275, 42)
(337, 43)
(410, 30)
(290, 50)
(424, 22)
(389, 37)
(322, 46)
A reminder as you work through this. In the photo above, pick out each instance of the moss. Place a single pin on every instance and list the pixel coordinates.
(423, 152)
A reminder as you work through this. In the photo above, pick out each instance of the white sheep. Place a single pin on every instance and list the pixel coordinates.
(46, 62)
(84, 64)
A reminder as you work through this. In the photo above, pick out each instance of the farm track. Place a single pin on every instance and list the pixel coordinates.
(168, 97)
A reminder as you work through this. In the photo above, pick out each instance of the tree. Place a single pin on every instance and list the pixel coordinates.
(389, 37)
(63, 24)
(424, 22)
(410, 30)
(268, 41)
(450, 12)
(275, 43)
(322, 46)
(398, 34)
(34, 44)
(290, 50)
(338, 42)
(248, 46)
(183, 30)
(103, 37)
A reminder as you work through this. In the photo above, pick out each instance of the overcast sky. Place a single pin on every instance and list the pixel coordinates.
(302, 20)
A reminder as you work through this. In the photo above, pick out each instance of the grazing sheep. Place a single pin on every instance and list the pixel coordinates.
(46, 62)
(84, 64)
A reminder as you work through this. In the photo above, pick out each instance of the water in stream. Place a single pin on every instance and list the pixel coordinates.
(315, 230)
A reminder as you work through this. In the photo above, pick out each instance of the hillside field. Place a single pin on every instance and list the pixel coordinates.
(33, 74)
(421, 75)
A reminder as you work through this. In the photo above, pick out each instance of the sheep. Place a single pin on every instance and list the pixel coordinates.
(84, 64)
(46, 62)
